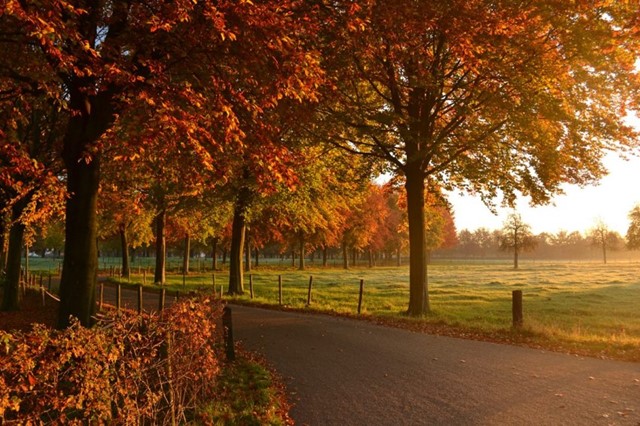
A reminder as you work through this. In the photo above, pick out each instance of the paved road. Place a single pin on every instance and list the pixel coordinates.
(346, 372)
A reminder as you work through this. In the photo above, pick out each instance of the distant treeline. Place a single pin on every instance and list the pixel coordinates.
(485, 244)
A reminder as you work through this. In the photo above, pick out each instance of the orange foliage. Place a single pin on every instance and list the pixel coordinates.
(118, 373)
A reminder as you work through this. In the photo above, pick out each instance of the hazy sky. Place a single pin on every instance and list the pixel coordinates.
(577, 210)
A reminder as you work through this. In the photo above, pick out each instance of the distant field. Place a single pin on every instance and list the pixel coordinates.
(578, 306)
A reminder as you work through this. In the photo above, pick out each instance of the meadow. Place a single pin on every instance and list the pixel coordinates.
(581, 307)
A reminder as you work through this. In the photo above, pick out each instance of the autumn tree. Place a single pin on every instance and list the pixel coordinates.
(479, 95)
(633, 232)
(516, 236)
(103, 58)
(30, 189)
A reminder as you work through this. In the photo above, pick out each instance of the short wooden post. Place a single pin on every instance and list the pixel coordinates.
(101, 296)
(177, 295)
(161, 300)
(251, 286)
(139, 299)
(309, 291)
(43, 295)
(144, 277)
(227, 325)
(360, 296)
(280, 289)
(221, 291)
(517, 308)
(118, 296)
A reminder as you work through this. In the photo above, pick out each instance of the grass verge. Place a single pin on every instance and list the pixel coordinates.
(248, 394)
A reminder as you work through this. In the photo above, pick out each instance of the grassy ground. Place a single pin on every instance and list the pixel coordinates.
(247, 395)
(584, 307)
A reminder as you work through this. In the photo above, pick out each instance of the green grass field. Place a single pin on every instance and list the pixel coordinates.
(584, 307)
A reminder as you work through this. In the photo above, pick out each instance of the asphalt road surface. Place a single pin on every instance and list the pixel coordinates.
(347, 372)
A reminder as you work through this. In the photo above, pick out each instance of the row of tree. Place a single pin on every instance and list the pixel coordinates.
(368, 221)
(515, 237)
(170, 104)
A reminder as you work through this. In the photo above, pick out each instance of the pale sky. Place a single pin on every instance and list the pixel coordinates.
(577, 210)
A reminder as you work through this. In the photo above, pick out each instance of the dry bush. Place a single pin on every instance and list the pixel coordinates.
(129, 369)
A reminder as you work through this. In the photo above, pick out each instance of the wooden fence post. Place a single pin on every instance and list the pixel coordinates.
(309, 291)
(516, 308)
(144, 276)
(251, 286)
(280, 289)
(360, 296)
(139, 299)
(227, 325)
(43, 295)
(161, 300)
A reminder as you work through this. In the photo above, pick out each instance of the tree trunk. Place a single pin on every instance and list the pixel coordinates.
(238, 229)
(354, 256)
(214, 253)
(80, 264)
(301, 266)
(124, 245)
(224, 256)
(159, 276)
(247, 252)
(4, 239)
(324, 255)
(604, 252)
(370, 258)
(345, 256)
(398, 260)
(516, 253)
(186, 254)
(418, 289)
(93, 115)
(11, 299)
(257, 256)
(293, 257)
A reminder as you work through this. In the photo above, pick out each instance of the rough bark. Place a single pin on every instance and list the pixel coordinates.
(80, 264)
(161, 247)
(124, 245)
(94, 114)
(418, 289)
